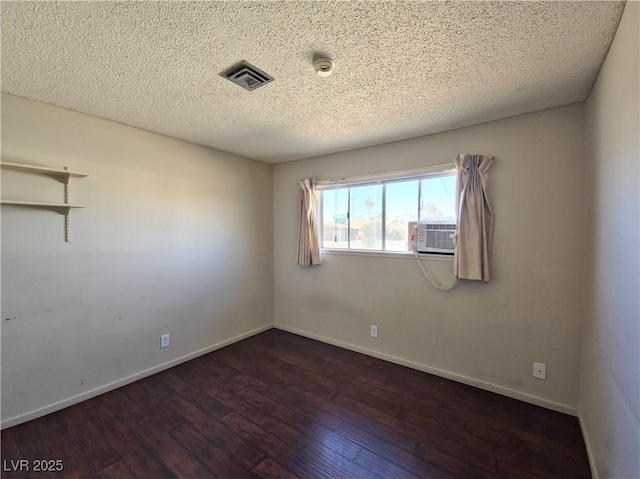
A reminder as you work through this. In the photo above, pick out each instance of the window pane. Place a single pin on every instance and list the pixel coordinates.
(366, 217)
(401, 207)
(437, 199)
(334, 222)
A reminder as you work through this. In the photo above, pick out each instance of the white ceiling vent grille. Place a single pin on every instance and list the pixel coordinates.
(246, 75)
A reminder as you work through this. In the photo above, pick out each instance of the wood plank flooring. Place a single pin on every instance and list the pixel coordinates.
(281, 406)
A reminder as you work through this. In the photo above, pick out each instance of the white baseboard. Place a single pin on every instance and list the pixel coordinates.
(43, 411)
(512, 393)
(369, 352)
(592, 459)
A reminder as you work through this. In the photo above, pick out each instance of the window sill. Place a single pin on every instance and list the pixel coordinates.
(386, 254)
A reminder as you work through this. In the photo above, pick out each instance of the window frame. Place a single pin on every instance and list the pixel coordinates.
(382, 179)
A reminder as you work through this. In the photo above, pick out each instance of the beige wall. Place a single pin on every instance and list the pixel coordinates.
(610, 376)
(484, 334)
(176, 238)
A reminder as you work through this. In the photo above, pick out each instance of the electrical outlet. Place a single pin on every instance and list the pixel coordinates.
(374, 331)
(164, 341)
(539, 370)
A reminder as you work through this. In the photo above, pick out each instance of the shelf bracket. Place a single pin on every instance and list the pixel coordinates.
(67, 214)
(67, 226)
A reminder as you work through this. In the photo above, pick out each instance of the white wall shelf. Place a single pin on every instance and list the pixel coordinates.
(65, 207)
(41, 169)
(43, 204)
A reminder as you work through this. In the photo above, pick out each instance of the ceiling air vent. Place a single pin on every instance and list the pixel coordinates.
(246, 75)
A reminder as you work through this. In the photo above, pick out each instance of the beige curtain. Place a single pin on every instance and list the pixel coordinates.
(308, 226)
(475, 218)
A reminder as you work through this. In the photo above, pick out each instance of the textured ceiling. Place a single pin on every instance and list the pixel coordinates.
(402, 69)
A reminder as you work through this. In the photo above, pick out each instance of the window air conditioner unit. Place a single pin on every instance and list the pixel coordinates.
(432, 236)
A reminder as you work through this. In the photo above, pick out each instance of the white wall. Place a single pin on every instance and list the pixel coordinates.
(176, 238)
(610, 376)
(487, 334)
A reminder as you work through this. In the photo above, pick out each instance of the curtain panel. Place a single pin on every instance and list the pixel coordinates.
(308, 224)
(475, 218)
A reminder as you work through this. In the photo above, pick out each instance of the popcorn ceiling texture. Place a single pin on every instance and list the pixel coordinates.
(402, 69)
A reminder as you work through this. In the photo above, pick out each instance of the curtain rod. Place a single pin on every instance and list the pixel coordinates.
(389, 175)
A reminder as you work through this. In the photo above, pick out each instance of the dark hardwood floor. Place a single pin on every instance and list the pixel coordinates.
(279, 405)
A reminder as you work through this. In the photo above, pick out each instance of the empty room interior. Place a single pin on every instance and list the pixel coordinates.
(308, 239)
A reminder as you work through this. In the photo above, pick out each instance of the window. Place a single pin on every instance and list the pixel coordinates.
(380, 214)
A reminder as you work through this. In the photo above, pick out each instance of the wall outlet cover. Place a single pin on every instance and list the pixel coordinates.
(540, 370)
(164, 341)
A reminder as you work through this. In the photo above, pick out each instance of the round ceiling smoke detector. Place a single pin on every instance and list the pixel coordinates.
(323, 66)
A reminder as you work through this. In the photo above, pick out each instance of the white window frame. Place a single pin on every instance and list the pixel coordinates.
(383, 178)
